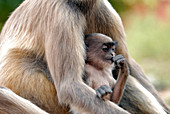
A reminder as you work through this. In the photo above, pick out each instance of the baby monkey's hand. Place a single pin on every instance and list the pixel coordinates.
(104, 92)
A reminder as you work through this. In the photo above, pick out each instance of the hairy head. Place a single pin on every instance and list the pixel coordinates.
(100, 50)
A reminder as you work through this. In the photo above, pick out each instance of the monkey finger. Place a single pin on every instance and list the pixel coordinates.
(121, 56)
(121, 62)
(106, 88)
(117, 57)
(100, 92)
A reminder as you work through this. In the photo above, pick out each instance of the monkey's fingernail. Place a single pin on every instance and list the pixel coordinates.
(110, 91)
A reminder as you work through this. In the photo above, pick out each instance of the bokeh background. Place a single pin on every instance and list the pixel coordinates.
(147, 25)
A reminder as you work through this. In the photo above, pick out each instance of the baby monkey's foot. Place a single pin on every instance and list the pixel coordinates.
(104, 92)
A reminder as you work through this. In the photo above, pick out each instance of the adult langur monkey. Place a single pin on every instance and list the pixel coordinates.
(48, 34)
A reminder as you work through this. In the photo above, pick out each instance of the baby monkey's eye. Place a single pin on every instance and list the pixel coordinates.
(105, 48)
(113, 49)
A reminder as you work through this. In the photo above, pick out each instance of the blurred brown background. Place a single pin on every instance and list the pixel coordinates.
(147, 25)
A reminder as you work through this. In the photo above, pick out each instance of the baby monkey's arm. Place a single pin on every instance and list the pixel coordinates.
(120, 63)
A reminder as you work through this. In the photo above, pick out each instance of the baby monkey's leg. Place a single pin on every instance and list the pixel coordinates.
(120, 63)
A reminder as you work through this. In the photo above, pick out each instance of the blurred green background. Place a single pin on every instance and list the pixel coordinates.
(147, 25)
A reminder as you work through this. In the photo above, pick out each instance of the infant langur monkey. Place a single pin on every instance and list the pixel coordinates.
(101, 60)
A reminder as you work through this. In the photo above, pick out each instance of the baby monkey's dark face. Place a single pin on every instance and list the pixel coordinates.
(108, 51)
(100, 50)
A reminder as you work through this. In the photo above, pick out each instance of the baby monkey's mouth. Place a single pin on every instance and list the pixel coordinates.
(110, 60)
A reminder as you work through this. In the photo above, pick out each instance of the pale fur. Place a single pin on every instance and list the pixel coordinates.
(46, 20)
(52, 31)
(17, 104)
(98, 77)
